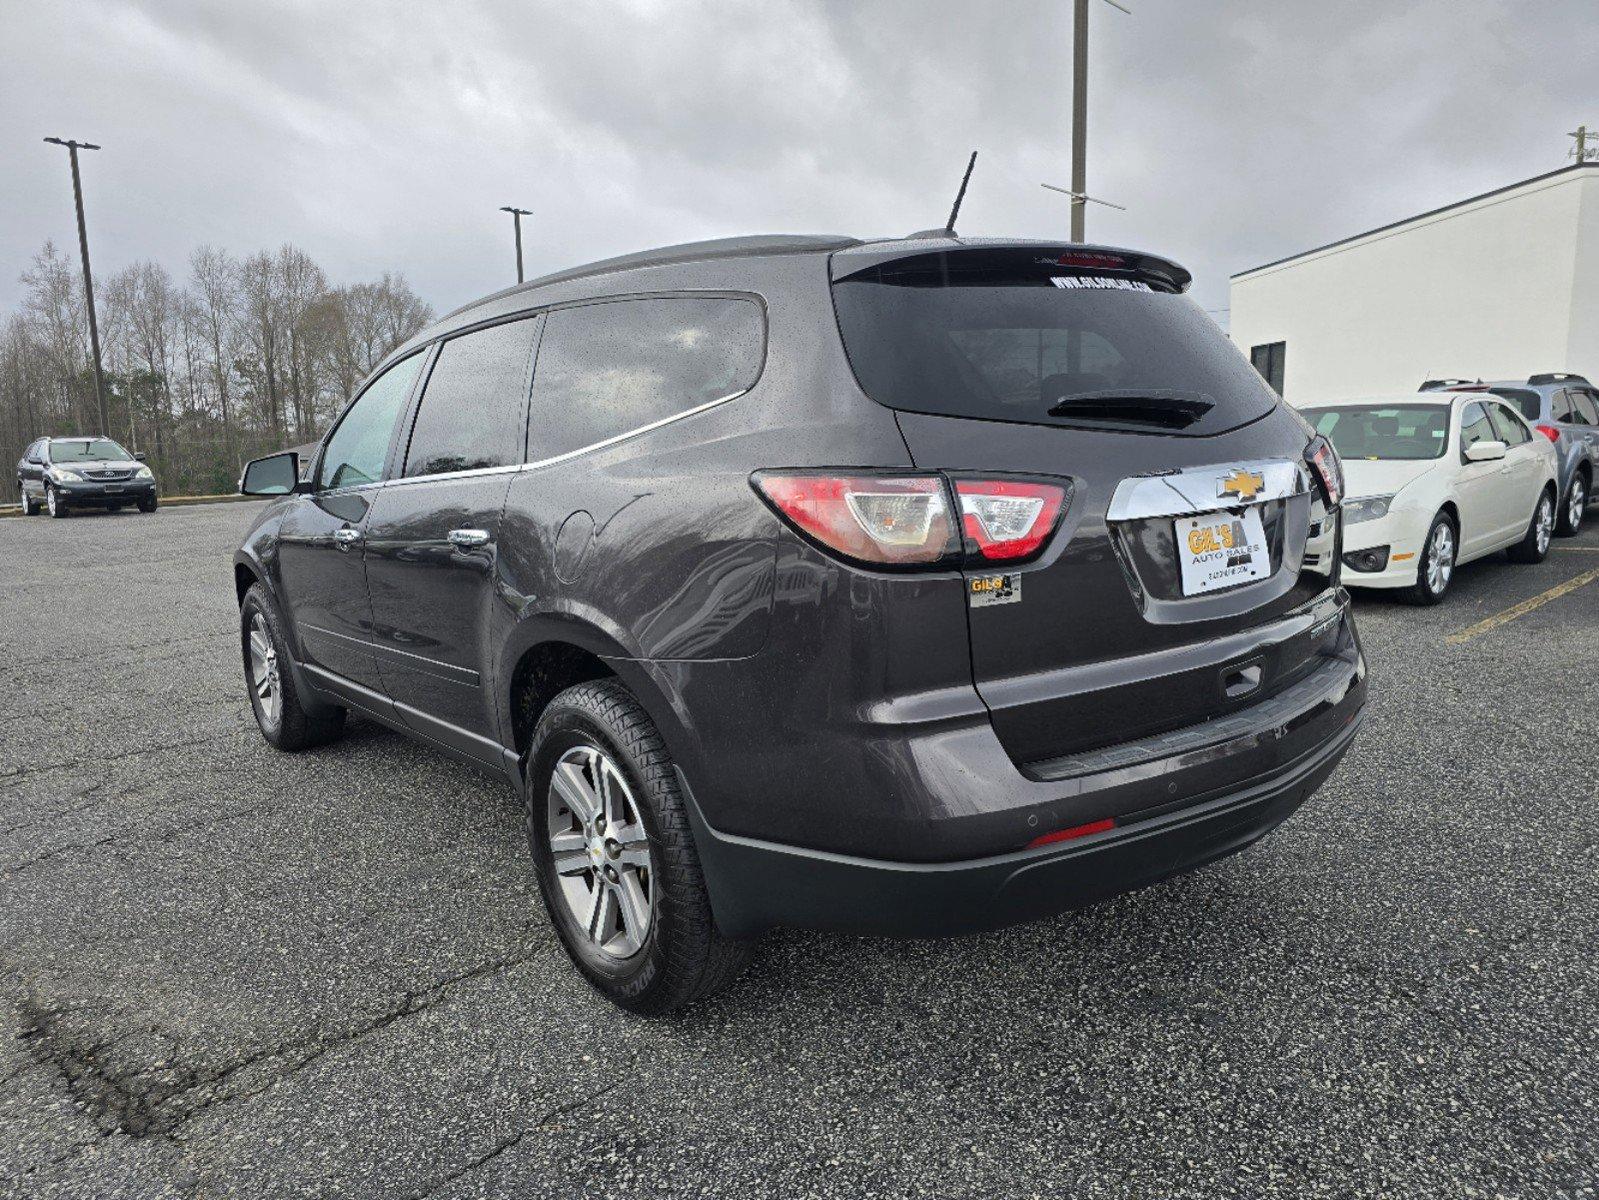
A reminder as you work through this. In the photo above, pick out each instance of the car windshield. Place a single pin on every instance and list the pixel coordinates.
(1406, 431)
(974, 335)
(87, 450)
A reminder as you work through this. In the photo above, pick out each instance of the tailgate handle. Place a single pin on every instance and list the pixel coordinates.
(1240, 681)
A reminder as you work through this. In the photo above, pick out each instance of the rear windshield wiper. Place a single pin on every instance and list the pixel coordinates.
(1163, 410)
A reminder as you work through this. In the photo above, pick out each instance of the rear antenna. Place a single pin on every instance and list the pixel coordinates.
(961, 195)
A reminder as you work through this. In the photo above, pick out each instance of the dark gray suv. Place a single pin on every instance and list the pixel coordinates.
(909, 586)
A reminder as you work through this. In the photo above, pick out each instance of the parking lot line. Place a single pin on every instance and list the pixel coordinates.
(1522, 609)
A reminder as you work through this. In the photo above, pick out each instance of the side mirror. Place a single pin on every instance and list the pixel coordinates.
(274, 475)
(1485, 451)
(139, 455)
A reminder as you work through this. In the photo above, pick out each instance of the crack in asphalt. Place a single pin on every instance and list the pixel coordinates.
(500, 1147)
(26, 771)
(153, 837)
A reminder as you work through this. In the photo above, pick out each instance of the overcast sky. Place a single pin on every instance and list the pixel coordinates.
(384, 136)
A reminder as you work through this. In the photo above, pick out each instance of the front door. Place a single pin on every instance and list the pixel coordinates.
(1481, 486)
(321, 560)
(431, 540)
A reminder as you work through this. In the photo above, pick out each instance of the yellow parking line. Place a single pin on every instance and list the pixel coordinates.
(1522, 609)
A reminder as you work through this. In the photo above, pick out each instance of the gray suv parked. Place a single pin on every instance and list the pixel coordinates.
(61, 474)
(910, 587)
(1565, 409)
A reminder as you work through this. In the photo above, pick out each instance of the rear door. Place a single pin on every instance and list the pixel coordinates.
(432, 537)
(1165, 598)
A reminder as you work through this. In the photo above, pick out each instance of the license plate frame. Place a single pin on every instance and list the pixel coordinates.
(1221, 549)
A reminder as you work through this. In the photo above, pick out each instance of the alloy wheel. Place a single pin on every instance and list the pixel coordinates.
(1577, 503)
(600, 852)
(50, 501)
(264, 672)
(1546, 522)
(1441, 558)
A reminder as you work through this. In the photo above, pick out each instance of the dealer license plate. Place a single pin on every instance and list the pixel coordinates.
(1218, 550)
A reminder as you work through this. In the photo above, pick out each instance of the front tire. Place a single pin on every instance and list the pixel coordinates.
(1575, 507)
(54, 504)
(1437, 563)
(147, 504)
(279, 711)
(615, 857)
(1534, 548)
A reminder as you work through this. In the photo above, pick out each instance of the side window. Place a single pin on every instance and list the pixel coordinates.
(1507, 426)
(607, 369)
(1560, 407)
(357, 447)
(1474, 426)
(471, 414)
(1271, 360)
(1587, 410)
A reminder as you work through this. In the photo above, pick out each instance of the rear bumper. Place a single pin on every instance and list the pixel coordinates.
(756, 885)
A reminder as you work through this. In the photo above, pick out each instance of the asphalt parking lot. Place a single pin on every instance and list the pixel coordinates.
(229, 972)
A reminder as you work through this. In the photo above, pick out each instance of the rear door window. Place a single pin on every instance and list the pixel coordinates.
(1007, 337)
(1560, 407)
(1587, 410)
(472, 415)
(609, 369)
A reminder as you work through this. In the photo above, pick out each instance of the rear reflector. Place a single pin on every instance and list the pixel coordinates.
(1008, 519)
(886, 520)
(1550, 432)
(1076, 831)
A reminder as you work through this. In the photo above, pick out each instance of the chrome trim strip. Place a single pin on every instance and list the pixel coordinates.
(1198, 489)
(545, 462)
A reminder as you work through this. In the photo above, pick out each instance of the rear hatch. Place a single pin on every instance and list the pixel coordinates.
(1189, 576)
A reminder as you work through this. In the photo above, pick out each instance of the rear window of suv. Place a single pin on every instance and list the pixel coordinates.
(963, 334)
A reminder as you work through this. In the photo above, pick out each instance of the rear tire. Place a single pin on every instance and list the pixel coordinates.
(1534, 548)
(1436, 566)
(1575, 507)
(671, 954)
(54, 504)
(279, 711)
(29, 508)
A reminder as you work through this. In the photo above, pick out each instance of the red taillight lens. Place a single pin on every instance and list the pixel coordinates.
(1329, 470)
(1076, 831)
(1091, 258)
(1008, 519)
(886, 520)
(1550, 432)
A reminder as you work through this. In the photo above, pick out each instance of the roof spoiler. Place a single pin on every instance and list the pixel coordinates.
(1558, 377)
(929, 249)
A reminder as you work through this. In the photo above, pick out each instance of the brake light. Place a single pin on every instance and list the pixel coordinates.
(1008, 519)
(1091, 258)
(1320, 455)
(1075, 832)
(887, 520)
(1549, 431)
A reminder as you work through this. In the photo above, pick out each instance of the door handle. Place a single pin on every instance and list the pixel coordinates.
(469, 537)
(346, 536)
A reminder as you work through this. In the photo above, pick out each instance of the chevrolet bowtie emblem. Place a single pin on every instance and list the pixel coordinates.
(1245, 485)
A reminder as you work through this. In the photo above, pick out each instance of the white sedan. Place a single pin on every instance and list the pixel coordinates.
(1434, 480)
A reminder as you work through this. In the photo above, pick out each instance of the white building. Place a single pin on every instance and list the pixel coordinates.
(1501, 286)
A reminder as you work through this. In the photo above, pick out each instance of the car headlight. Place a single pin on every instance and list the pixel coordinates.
(62, 475)
(1368, 508)
(144, 473)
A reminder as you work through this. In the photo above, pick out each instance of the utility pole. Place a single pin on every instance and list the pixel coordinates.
(516, 215)
(1079, 192)
(88, 278)
(1582, 153)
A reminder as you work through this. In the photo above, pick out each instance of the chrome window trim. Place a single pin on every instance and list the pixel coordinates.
(1193, 490)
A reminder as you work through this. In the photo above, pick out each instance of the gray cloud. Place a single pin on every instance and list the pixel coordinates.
(385, 136)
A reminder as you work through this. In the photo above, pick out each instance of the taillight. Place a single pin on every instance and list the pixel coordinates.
(1320, 455)
(1549, 431)
(887, 520)
(1008, 519)
(907, 519)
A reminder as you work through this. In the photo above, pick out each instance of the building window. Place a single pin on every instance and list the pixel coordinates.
(1269, 360)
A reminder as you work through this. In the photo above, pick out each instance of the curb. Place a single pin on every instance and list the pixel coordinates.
(15, 510)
